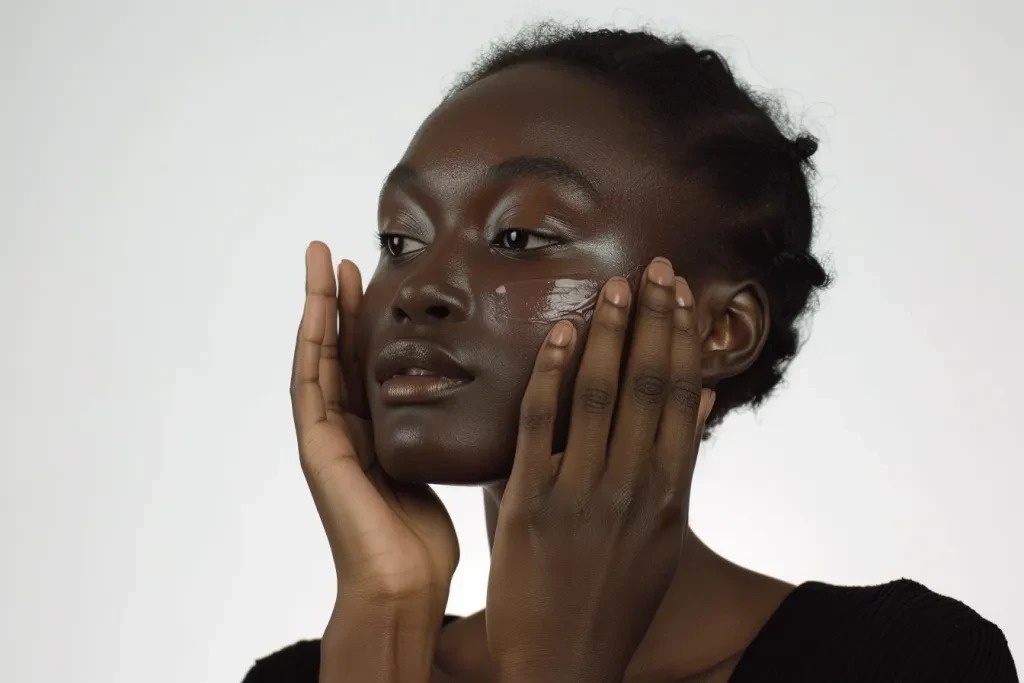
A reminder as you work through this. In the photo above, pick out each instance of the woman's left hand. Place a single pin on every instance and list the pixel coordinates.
(587, 543)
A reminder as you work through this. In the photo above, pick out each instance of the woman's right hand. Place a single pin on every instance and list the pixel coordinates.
(392, 542)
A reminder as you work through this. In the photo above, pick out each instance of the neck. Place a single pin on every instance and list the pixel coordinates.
(714, 605)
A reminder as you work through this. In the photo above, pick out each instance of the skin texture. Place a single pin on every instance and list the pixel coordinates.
(612, 507)
(458, 275)
(454, 217)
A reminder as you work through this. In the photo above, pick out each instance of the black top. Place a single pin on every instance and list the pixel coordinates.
(898, 631)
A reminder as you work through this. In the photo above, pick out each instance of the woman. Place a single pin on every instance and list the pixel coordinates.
(592, 250)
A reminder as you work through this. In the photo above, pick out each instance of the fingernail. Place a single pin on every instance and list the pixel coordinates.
(660, 272)
(616, 292)
(561, 333)
(684, 297)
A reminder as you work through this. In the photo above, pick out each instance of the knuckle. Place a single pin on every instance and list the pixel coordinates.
(658, 309)
(533, 509)
(576, 508)
(685, 394)
(538, 418)
(622, 503)
(328, 352)
(649, 387)
(665, 498)
(549, 363)
(684, 326)
(516, 509)
(525, 511)
(609, 324)
(597, 397)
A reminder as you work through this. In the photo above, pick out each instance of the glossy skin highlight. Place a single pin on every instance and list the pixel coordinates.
(509, 192)
(535, 148)
(547, 300)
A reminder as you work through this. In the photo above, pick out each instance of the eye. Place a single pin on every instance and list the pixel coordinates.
(398, 245)
(518, 239)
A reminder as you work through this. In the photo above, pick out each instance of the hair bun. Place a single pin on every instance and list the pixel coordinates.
(804, 147)
(801, 265)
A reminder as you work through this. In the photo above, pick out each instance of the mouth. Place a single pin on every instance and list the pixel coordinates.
(416, 372)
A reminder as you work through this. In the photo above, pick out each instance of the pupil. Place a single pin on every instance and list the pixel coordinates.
(513, 238)
(395, 244)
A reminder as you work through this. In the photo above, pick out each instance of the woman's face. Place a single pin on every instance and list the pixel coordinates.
(513, 203)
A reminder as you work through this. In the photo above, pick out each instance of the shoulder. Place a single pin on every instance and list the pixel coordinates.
(898, 629)
(298, 663)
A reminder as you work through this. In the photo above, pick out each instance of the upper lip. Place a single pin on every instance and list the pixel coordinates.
(399, 356)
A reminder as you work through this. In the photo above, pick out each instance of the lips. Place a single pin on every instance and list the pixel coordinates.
(417, 371)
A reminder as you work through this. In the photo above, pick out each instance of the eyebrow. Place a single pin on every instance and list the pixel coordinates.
(518, 168)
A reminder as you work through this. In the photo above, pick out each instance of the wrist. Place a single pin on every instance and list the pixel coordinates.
(379, 643)
(405, 600)
(556, 670)
(395, 616)
(555, 677)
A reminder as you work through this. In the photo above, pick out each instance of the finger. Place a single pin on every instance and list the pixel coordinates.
(596, 387)
(707, 397)
(320, 283)
(309, 404)
(682, 458)
(645, 384)
(350, 296)
(675, 450)
(707, 402)
(531, 470)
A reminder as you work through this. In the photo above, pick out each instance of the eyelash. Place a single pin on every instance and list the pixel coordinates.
(382, 240)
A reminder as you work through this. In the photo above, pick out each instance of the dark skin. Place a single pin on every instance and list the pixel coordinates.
(693, 613)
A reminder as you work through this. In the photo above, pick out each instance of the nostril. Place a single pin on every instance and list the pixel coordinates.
(439, 312)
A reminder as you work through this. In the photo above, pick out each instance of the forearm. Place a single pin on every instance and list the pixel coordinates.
(560, 669)
(385, 644)
(558, 677)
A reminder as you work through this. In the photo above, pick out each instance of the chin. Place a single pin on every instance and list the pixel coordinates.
(427, 446)
(416, 447)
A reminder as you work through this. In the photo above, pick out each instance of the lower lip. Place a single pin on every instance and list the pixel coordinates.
(417, 389)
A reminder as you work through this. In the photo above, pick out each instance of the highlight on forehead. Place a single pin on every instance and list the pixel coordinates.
(516, 168)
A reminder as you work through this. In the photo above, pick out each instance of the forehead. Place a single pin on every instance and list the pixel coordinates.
(543, 110)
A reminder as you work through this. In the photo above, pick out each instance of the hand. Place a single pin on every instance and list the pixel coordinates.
(587, 543)
(391, 542)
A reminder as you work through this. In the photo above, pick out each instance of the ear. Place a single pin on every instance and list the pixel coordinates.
(733, 325)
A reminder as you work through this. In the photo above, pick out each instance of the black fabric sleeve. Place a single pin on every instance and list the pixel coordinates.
(979, 653)
(298, 663)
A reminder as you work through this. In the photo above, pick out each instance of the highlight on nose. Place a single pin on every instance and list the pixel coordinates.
(426, 303)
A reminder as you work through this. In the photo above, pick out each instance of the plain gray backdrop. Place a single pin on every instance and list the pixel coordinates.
(165, 164)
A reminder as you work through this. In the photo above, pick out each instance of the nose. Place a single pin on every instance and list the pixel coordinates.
(424, 299)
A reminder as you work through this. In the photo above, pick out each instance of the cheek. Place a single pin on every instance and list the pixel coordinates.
(524, 311)
(373, 310)
(547, 300)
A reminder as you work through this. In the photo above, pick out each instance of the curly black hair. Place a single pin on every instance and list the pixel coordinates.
(735, 141)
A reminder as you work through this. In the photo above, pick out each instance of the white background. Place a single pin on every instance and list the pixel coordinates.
(165, 164)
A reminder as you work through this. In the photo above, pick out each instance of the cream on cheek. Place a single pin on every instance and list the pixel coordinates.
(548, 300)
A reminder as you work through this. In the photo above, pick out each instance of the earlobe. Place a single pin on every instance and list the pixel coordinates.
(734, 322)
